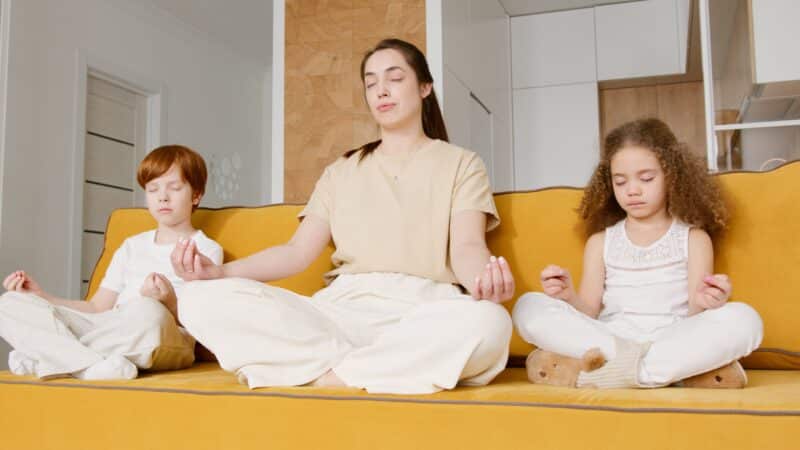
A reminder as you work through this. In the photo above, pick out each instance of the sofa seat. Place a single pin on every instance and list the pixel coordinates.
(205, 408)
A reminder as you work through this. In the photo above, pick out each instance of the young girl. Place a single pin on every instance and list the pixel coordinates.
(408, 214)
(648, 300)
(129, 322)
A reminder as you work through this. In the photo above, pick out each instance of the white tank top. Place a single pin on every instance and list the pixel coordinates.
(650, 280)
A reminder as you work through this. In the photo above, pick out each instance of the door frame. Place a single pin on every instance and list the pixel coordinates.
(154, 115)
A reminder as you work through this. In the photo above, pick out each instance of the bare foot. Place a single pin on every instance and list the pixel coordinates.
(328, 379)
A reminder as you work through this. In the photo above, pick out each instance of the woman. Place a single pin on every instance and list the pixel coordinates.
(408, 214)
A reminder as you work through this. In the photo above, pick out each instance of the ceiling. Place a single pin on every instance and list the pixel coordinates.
(525, 7)
(243, 25)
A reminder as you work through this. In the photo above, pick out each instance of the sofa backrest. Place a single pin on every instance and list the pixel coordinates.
(760, 250)
(241, 231)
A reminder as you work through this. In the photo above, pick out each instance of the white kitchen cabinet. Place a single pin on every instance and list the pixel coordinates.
(641, 39)
(553, 48)
(556, 135)
(774, 27)
(457, 38)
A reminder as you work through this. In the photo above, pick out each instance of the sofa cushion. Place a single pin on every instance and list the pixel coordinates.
(205, 408)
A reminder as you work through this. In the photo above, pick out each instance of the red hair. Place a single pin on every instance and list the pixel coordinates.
(190, 163)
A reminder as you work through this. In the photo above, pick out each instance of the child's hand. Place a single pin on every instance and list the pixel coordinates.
(189, 264)
(19, 281)
(495, 283)
(557, 283)
(158, 287)
(714, 291)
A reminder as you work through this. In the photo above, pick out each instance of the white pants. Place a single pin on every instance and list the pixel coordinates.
(384, 332)
(681, 347)
(62, 340)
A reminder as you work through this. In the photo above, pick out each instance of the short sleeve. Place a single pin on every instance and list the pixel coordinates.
(472, 191)
(320, 204)
(114, 278)
(213, 250)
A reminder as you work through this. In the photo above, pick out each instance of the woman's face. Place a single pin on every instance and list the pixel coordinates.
(393, 93)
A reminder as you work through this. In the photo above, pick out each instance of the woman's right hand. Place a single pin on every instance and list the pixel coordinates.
(19, 281)
(557, 283)
(190, 265)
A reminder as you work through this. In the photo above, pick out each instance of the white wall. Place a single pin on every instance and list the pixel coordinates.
(266, 138)
(277, 72)
(4, 27)
(477, 59)
(214, 103)
(4, 43)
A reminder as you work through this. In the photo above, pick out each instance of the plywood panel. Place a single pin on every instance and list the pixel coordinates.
(325, 114)
(618, 106)
(680, 105)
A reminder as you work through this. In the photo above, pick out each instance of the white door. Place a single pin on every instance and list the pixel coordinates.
(112, 113)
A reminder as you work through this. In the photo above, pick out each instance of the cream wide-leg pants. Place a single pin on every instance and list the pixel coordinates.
(62, 340)
(680, 347)
(383, 332)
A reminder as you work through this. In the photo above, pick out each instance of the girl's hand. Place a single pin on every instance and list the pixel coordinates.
(557, 283)
(714, 291)
(19, 281)
(495, 283)
(190, 265)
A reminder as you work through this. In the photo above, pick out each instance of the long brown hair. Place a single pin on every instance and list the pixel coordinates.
(432, 120)
(693, 196)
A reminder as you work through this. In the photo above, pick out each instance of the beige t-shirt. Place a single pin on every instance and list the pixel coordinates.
(391, 213)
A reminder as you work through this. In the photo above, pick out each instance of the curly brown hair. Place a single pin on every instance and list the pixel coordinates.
(693, 196)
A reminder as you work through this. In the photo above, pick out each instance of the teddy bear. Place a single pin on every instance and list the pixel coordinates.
(558, 370)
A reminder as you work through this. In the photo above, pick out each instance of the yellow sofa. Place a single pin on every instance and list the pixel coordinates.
(205, 408)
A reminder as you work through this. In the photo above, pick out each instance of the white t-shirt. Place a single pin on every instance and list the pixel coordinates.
(140, 256)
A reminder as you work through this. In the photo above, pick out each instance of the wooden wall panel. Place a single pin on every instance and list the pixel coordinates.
(325, 113)
(618, 106)
(680, 105)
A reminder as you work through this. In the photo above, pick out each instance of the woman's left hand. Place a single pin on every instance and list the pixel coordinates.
(495, 282)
